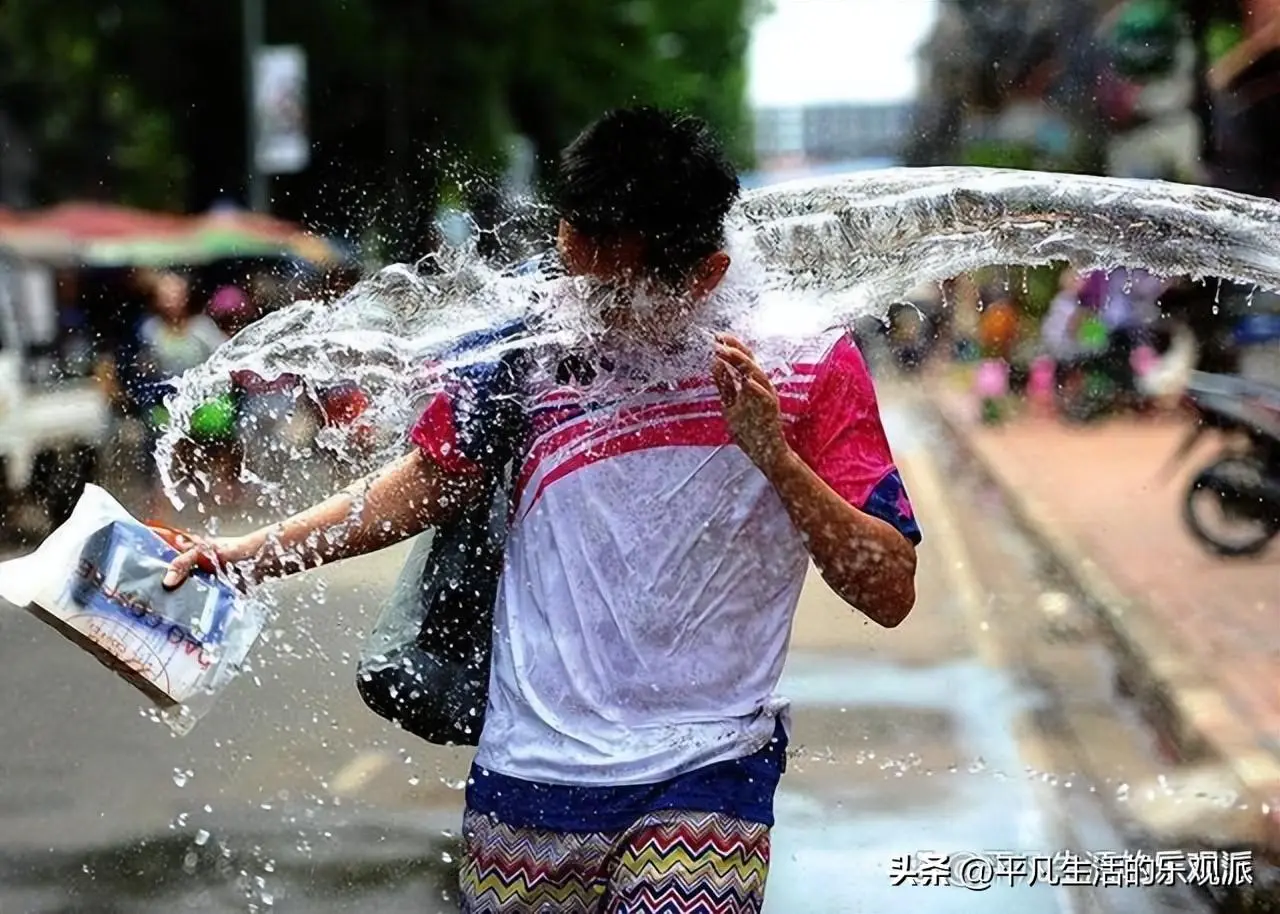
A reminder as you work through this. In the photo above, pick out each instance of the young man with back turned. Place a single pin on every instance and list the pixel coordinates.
(658, 545)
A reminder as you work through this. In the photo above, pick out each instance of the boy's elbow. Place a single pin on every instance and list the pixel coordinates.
(897, 600)
(889, 609)
(904, 594)
(893, 596)
(896, 609)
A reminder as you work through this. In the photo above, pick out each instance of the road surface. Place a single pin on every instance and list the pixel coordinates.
(985, 722)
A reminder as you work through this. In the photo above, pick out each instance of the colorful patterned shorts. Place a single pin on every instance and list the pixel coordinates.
(667, 863)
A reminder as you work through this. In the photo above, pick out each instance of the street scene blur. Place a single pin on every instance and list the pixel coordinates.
(1093, 662)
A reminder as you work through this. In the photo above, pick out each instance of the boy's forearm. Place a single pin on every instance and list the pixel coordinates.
(325, 533)
(867, 562)
(395, 503)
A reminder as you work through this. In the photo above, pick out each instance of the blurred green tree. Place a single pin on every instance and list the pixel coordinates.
(577, 58)
(68, 82)
(143, 102)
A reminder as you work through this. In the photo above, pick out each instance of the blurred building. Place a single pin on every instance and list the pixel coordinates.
(830, 133)
(782, 170)
(1133, 88)
(779, 133)
(1006, 82)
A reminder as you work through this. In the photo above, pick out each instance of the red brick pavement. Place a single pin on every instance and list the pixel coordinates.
(1102, 488)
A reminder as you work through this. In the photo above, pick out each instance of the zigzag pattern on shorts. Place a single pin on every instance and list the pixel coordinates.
(520, 869)
(693, 862)
(670, 863)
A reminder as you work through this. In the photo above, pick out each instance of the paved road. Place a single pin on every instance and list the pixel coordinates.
(985, 722)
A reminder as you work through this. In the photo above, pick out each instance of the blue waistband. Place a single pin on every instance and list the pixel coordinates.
(742, 788)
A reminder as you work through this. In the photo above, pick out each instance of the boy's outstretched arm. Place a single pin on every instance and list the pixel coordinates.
(398, 501)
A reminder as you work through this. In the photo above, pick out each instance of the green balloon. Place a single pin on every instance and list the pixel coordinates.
(1093, 333)
(214, 420)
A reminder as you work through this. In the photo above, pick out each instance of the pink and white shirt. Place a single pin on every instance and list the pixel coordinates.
(652, 572)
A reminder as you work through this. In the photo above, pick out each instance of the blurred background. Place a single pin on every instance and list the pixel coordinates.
(1095, 457)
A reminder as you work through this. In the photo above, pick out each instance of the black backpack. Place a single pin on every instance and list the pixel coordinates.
(426, 665)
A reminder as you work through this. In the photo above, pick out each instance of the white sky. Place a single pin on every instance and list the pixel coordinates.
(809, 51)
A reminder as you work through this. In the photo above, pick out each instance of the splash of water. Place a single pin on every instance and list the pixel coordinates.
(879, 234)
(807, 256)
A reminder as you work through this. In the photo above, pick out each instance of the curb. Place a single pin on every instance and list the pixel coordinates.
(1175, 695)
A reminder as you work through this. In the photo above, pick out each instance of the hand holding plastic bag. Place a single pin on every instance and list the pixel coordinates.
(214, 557)
(98, 580)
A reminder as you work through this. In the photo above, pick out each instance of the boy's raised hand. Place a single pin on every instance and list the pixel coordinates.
(749, 402)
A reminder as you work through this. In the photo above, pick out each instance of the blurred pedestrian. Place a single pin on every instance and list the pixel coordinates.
(176, 338)
(999, 327)
(1194, 305)
(173, 340)
(1062, 322)
(231, 309)
(1129, 308)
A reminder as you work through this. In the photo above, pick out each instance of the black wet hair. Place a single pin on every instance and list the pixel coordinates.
(658, 176)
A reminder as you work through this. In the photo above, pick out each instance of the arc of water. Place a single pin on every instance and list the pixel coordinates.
(885, 232)
(824, 252)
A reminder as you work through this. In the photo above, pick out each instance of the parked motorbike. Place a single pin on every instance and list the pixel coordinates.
(1241, 486)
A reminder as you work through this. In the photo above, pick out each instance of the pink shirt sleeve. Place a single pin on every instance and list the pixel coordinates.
(840, 436)
(436, 434)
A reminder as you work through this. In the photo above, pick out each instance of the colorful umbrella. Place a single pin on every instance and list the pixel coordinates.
(106, 235)
(93, 221)
(19, 237)
(240, 227)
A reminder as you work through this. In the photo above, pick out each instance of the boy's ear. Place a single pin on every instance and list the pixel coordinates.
(708, 274)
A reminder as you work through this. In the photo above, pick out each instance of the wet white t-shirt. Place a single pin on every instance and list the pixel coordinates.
(652, 572)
